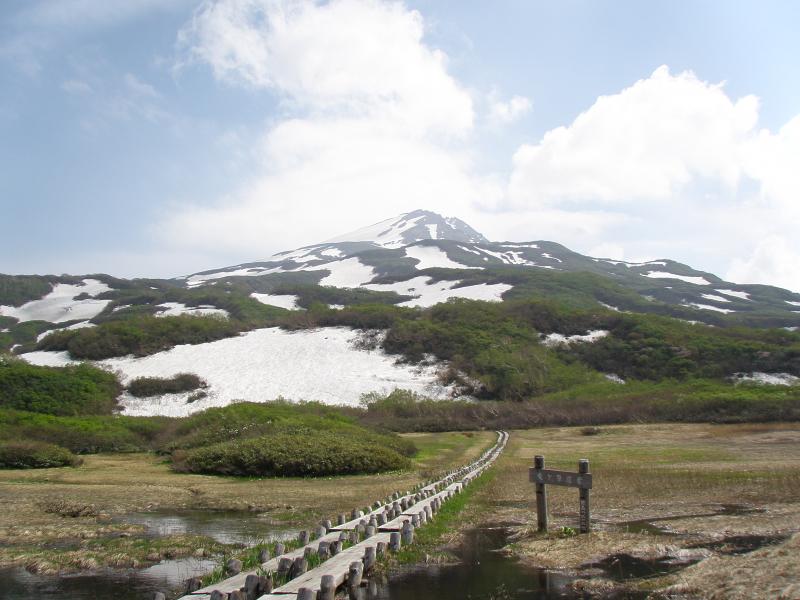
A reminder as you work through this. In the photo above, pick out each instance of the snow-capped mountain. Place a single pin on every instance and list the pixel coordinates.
(413, 227)
(430, 258)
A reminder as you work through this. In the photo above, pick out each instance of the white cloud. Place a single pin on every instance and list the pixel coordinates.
(362, 56)
(690, 167)
(774, 261)
(374, 123)
(645, 143)
(507, 112)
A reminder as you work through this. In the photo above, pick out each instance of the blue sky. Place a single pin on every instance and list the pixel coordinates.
(158, 138)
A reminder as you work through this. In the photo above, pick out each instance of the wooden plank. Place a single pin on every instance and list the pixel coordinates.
(337, 566)
(565, 478)
(237, 581)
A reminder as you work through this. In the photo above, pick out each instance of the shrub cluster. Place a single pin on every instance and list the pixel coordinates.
(140, 336)
(143, 387)
(84, 434)
(73, 390)
(35, 455)
(313, 454)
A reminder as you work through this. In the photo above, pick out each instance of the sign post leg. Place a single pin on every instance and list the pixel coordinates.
(585, 517)
(541, 497)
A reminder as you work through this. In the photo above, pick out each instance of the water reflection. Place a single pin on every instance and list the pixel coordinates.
(226, 527)
(128, 584)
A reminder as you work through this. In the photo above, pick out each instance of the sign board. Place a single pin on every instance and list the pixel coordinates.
(566, 478)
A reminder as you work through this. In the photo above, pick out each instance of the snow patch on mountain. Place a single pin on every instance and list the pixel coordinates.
(426, 292)
(510, 257)
(735, 294)
(715, 298)
(264, 364)
(546, 255)
(174, 309)
(200, 279)
(431, 257)
(347, 273)
(60, 303)
(707, 307)
(556, 339)
(792, 303)
(686, 278)
(388, 233)
(767, 378)
(288, 301)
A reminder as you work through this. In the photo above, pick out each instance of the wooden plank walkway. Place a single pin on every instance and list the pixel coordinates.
(338, 566)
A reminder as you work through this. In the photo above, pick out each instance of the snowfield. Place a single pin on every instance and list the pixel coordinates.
(735, 294)
(388, 233)
(347, 273)
(708, 307)
(60, 304)
(686, 278)
(554, 339)
(197, 280)
(431, 257)
(427, 293)
(715, 298)
(174, 309)
(265, 364)
(288, 301)
(767, 378)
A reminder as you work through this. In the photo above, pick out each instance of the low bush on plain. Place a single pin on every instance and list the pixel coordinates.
(73, 390)
(143, 387)
(29, 454)
(310, 455)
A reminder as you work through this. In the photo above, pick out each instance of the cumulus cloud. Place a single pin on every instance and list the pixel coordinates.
(687, 163)
(643, 144)
(774, 261)
(361, 56)
(374, 123)
(371, 124)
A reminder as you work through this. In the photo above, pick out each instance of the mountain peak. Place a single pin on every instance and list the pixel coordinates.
(412, 227)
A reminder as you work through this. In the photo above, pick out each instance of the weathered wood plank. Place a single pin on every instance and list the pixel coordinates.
(237, 581)
(338, 567)
(565, 478)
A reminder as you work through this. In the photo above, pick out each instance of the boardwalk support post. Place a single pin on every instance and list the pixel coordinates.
(541, 497)
(585, 518)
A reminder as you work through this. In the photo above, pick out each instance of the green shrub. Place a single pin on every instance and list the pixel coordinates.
(140, 336)
(143, 387)
(250, 419)
(73, 390)
(84, 435)
(307, 455)
(35, 455)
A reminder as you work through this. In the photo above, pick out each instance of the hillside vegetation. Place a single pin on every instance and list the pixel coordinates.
(272, 439)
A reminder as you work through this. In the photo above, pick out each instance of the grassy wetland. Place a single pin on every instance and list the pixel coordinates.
(70, 519)
(676, 509)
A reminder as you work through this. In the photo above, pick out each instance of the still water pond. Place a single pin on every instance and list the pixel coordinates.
(226, 527)
(128, 584)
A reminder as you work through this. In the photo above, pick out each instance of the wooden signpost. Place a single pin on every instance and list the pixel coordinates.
(581, 480)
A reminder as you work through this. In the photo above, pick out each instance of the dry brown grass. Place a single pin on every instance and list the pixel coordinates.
(653, 472)
(121, 483)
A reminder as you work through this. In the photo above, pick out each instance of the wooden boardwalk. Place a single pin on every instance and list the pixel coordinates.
(388, 518)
